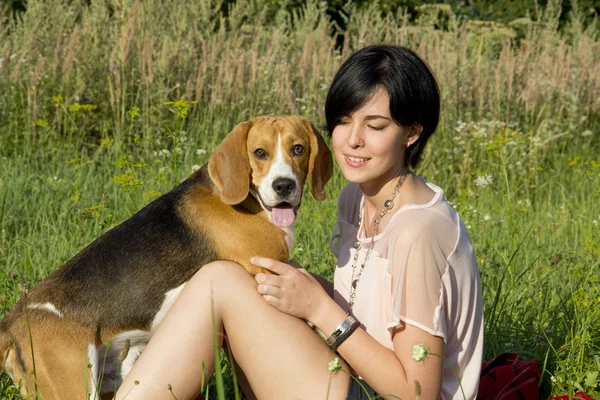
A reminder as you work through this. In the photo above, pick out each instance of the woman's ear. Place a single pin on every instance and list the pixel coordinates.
(229, 167)
(414, 133)
(320, 162)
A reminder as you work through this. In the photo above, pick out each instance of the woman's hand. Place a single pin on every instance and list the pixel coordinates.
(293, 291)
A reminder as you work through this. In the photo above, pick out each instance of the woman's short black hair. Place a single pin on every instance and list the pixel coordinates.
(410, 84)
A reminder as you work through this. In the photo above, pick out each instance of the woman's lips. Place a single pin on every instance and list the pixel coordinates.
(355, 162)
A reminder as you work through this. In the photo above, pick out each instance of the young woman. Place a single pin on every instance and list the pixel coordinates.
(406, 271)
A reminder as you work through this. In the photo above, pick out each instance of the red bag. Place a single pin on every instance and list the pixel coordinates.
(509, 377)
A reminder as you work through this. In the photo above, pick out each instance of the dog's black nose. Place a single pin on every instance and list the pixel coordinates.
(283, 186)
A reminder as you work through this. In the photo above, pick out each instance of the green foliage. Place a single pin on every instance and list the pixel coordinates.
(106, 105)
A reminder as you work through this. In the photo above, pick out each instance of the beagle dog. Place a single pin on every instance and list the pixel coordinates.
(90, 320)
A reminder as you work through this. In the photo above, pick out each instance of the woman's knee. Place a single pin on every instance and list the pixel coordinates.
(222, 277)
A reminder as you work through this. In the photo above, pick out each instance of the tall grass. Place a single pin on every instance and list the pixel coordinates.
(92, 128)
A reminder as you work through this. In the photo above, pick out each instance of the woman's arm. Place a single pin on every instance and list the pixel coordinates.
(387, 371)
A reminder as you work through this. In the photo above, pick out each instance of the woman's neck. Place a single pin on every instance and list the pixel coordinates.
(375, 195)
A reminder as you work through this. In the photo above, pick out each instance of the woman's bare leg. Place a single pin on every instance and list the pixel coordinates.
(279, 354)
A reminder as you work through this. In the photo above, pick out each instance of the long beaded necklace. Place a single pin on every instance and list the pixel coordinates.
(388, 205)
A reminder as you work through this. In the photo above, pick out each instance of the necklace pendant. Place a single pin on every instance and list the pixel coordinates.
(389, 204)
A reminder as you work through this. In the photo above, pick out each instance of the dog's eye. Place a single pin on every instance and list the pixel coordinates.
(260, 154)
(298, 149)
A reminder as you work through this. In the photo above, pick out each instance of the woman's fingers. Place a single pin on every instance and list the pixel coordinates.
(270, 264)
(269, 290)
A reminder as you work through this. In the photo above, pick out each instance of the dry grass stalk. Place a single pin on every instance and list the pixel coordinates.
(71, 50)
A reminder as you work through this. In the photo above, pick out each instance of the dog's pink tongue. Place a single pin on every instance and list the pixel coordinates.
(283, 216)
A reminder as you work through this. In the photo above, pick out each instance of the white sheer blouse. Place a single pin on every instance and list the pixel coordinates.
(423, 272)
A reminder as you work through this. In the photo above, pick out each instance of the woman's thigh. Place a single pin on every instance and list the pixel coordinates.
(281, 356)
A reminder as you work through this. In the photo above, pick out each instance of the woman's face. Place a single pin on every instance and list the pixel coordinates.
(369, 146)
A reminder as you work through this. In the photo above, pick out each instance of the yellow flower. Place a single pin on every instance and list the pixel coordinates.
(134, 112)
(127, 181)
(152, 195)
(181, 106)
(107, 142)
(82, 107)
(94, 210)
(58, 99)
(42, 123)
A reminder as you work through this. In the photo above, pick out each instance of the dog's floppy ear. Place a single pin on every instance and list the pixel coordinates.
(320, 163)
(229, 167)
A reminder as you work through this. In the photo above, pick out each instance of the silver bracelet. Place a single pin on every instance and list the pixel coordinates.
(342, 332)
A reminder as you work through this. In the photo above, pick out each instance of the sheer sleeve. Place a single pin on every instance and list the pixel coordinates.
(418, 264)
(348, 205)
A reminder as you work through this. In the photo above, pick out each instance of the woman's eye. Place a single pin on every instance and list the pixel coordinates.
(376, 128)
(260, 154)
(342, 122)
(298, 150)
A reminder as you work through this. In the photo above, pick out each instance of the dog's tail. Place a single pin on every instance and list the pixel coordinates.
(6, 343)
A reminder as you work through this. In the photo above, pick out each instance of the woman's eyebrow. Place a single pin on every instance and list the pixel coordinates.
(371, 117)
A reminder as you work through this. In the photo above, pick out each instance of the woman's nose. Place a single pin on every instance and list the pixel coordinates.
(355, 138)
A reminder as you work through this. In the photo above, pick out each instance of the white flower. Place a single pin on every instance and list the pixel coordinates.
(195, 167)
(486, 217)
(200, 152)
(483, 180)
(335, 365)
(419, 352)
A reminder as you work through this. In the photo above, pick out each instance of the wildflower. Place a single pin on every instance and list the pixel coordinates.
(153, 194)
(335, 366)
(58, 99)
(195, 167)
(181, 106)
(127, 181)
(42, 123)
(134, 112)
(106, 142)
(82, 107)
(419, 352)
(94, 211)
(486, 217)
(483, 180)
(200, 152)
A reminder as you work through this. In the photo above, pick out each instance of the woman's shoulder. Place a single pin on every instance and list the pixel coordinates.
(434, 221)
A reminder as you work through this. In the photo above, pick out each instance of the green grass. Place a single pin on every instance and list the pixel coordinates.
(523, 169)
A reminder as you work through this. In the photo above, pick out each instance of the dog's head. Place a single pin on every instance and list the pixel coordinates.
(271, 158)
